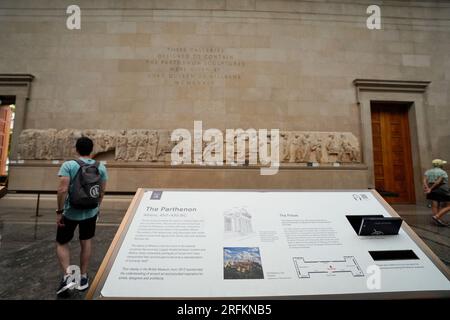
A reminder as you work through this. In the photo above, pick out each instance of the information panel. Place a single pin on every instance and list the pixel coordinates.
(219, 244)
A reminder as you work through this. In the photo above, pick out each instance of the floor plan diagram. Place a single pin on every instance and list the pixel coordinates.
(347, 264)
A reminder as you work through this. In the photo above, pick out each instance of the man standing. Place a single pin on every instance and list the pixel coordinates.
(78, 208)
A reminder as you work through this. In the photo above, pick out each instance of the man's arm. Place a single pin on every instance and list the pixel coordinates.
(102, 192)
(425, 184)
(63, 188)
(436, 184)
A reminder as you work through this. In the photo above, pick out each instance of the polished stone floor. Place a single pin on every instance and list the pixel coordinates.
(29, 269)
(28, 265)
(435, 237)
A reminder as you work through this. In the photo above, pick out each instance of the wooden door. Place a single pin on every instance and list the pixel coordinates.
(5, 123)
(392, 152)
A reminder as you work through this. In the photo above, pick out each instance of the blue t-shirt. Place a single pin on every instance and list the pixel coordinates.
(70, 169)
(436, 173)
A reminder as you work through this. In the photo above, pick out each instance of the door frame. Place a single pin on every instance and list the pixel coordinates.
(387, 106)
(19, 86)
(412, 92)
(5, 140)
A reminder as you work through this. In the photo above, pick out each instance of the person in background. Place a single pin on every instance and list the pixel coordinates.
(435, 185)
(438, 217)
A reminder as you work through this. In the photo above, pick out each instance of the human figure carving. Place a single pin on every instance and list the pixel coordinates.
(152, 146)
(58, 144)
(26, 148)
(44, 143)
(121, 146)
(97, 136)
(284, 146)
(352, 152)
(332, 145)
(305, 148)
(317, 149)
(69, 147)
(141, 148)
(342, 148)
(347, 148)
(110, 139)
(133, 141)
(294, 148)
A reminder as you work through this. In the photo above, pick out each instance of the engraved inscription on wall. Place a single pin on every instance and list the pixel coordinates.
(195, 66)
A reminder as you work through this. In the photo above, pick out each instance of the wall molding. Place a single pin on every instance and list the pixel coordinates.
(17, 80)
(17, 85)
(374, 85)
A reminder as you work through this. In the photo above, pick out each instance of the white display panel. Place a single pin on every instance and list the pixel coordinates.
(201, 244)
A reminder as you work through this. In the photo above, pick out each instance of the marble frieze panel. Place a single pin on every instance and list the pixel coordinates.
(147, 145)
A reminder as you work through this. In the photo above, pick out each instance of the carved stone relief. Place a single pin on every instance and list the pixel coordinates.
(143, 145)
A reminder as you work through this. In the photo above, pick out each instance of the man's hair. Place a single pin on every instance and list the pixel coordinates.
(84, 146)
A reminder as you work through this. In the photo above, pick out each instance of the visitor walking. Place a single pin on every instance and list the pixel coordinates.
(435, 184)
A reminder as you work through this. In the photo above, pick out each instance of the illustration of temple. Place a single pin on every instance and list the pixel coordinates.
(238, 220)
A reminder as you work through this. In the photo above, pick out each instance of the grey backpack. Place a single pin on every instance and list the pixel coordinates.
(86, 186)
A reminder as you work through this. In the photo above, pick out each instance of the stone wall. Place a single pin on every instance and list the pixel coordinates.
(286, 65)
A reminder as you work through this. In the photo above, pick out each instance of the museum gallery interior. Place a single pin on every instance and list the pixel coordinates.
(207, 95)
